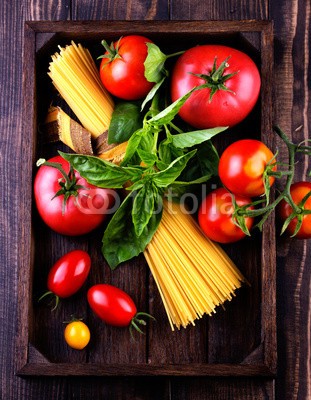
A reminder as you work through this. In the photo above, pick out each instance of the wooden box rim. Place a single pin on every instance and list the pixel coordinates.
(262, 362)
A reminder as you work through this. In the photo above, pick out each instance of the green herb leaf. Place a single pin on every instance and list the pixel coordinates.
(120, 242)
(204, 163)
(152, 92)
(132, 146)
(166, 116)
(126, 119)
(154, 63)
(142, 208)
(190, 139)
(171, 173)
(147, 158)
(102, 173)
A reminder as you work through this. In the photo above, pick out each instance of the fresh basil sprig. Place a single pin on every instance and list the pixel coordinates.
(126, 119)
(120, 241)
(102, 173)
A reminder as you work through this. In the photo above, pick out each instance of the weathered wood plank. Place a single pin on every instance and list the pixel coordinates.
(291, 110)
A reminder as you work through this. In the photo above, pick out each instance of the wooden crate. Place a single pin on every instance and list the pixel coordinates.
(240, 340)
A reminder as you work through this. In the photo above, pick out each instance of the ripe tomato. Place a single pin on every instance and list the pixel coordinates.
(298, 191)
(242, 165)
(215, 216)
(234, 95)
(122, 69)
(85, 208)
(69, 273)
(77, 335)
(115, 307)
(111, 304)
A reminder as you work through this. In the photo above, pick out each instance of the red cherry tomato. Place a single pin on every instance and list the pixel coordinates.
(242, 165)
(235, 96)
(111, 304)
(215, 216)
(298, 191)
(122, 69)
(85, 209)
(69, 273)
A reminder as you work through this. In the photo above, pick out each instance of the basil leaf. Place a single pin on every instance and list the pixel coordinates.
(126, 119)
(152, 92)
(120, 242)
(147, 158)
(171, 173)
(168, 153)
(166, 116)
(101, 173)
(190, 139)
(142, 208)
(154, 63)
(204, 163)
(132, 146)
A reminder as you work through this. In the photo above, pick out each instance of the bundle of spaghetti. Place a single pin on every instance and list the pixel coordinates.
(75, 76)
(193, 274)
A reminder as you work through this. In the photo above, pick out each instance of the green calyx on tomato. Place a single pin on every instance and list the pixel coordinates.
(68, 184)
(216, 79)
(112, 51)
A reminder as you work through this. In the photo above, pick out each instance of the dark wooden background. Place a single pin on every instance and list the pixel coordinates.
(291, 110)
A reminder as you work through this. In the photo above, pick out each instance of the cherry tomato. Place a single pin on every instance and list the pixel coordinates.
(115, 307)
(111, 304)
(234, 95)
(298, 191)
(215, 216)
(85, 208)
(242, 165)
(69, 273)
(77, 335)
(122, 69)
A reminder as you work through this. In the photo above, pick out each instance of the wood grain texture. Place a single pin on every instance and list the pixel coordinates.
(292, 59)
(291, 111)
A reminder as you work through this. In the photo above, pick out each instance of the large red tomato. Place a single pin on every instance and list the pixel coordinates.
(298, 191)
(216, 216)
(86, 205)
(242, 165)
(122, 69)
(233, 89)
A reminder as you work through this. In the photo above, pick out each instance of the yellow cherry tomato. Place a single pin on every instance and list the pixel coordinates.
(77, 335)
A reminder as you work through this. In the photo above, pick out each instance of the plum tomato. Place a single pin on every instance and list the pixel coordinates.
(115, 307)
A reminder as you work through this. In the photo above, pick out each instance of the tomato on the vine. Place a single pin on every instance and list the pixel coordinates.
(115, 307)
(244, 167)
(66, 202)
(77, 334)
(299, 191)
(216, 216)
(233, 83)
(122, 69)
